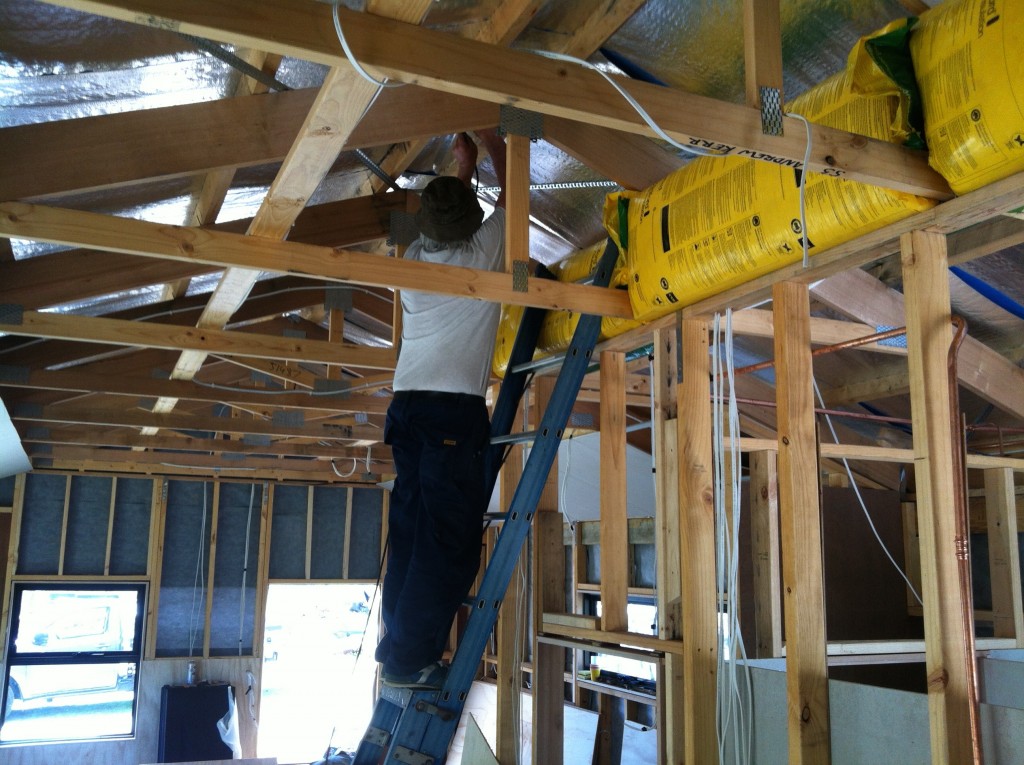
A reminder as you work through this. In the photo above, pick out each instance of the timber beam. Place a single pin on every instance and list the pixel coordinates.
(82, 436)
(453, 64)
(174, 337)
(83, 229)
(84, 382)
(132, 147)
(139, 418)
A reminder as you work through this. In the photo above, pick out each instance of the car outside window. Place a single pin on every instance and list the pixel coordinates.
(73, 657)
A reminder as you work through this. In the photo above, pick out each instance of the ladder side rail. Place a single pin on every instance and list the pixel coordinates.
(385, 717)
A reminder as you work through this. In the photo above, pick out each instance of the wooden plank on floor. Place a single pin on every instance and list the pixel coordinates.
(800, 528)
(928, 316)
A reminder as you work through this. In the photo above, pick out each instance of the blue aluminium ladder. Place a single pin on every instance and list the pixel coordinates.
(416, 727)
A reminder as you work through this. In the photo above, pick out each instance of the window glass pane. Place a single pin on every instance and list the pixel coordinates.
(68, 701)
(72, 621)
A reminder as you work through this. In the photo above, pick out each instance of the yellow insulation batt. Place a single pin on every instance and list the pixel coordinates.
(722, 221)
(969, 62)
(558, 327)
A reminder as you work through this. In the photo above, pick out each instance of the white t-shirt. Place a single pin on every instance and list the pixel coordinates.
(447, 341)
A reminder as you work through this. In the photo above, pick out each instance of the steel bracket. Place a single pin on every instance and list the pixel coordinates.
(771, 111)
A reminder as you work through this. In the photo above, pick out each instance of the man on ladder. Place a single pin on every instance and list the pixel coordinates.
(438, 427)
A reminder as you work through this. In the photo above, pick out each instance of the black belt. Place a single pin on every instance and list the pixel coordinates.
(437, 395)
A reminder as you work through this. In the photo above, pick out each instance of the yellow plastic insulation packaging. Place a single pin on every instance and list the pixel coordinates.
(969, 62)
(558, 327)
(721, 222)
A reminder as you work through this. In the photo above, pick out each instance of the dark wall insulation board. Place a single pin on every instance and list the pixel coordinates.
(235, 569)
(129, 539)
(85, 551)
(288, 533)
(330, 511)
(181, 616)
(41, 522)
(644, 560)
(7, 491)
(365, 542)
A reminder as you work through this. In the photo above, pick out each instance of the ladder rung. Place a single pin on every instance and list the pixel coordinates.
(535, 365)
(377, 736)
(515, 438)
(400, 697)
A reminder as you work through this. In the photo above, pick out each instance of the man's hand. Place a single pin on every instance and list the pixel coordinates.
(465, 153)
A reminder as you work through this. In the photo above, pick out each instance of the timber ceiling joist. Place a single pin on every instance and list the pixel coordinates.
(303, 366)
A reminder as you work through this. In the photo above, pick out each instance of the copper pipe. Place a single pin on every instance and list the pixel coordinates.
(961, 539)
(856, 342)
(993, 429)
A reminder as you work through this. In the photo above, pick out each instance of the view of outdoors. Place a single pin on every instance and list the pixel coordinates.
(317, 686)
(640, 618)
(68, 676)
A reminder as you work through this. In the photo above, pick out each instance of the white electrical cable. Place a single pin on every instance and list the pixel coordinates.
(273, 293)
(803, 188)
(718, 493)
(283, 392)
(200, 578)
(351, 57)
(860, 499)
(350, 473)
(734, 713)
(745, 710)
(245, 569)
(517, 671)
(694, 150)
(565, 480)
(250, 693)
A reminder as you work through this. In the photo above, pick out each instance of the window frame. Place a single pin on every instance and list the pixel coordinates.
(16, 658)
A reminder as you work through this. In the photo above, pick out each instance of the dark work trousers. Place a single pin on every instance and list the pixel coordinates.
(438, 441)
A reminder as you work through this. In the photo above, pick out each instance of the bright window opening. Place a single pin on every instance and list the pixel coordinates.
(318, 688)
(640, 618)
(73, 656)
